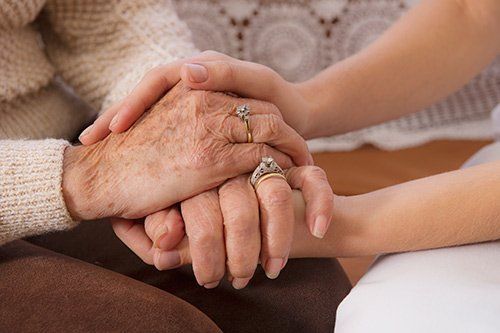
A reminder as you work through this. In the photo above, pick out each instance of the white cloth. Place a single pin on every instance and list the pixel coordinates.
(444, 290)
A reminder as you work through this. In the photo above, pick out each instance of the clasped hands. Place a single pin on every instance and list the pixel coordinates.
(174, 175)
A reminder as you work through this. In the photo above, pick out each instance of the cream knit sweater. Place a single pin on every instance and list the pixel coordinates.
(98, 48)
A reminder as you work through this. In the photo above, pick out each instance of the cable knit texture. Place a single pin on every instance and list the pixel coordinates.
(62, 61)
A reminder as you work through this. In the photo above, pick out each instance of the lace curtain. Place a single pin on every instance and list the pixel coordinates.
(298, 38)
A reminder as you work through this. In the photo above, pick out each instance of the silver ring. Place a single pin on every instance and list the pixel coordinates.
(267, 166)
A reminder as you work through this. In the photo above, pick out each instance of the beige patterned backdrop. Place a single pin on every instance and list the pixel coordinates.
(298, 38)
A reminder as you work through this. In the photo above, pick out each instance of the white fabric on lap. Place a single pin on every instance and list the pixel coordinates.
(444, 290)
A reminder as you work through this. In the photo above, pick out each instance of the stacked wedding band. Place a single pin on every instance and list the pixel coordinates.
(267, 168)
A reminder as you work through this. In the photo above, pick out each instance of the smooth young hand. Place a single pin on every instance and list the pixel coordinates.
(210, 71)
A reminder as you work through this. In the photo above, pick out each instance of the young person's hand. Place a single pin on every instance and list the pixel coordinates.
(210, 71)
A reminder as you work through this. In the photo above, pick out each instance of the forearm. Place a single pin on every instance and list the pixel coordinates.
(454, 208)
(429, 53)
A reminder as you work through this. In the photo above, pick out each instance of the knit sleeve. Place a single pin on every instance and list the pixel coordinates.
(103, 48)
(31, 200)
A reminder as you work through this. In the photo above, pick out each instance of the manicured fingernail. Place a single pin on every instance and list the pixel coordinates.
(167, 259)
(113, 123)
(240, 283)
(197, 73)
(85, 132)
(273, 267)
(320, 226)
(211, 285)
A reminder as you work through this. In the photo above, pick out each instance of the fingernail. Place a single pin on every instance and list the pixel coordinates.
(211, 285)
(114, 121)
(197, 73)
(273, 267)
(320, 226)
(240, 283)
(167, 259)
(85, 132)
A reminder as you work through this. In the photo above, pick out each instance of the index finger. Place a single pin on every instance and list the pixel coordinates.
(153, 85)
(156, 83)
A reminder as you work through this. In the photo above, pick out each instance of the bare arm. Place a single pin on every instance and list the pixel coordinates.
(453, 208)
(434, 49)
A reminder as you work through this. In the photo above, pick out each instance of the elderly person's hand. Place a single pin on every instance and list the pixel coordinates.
(278, 196)
(188, 142)
(234, 209)
(211, 71)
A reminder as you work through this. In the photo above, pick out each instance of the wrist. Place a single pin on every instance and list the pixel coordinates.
(328, 97)
(323, 108)
(78, 185)
(311, 108)
(352, 231)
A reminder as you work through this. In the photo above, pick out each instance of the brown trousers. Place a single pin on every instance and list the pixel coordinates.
(43, 290)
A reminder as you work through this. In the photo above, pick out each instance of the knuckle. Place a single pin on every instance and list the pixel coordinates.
(232, 189)
(210, 54)
(203, 235)
(155, 220)
(273, 125)
(316, 172)
(227, 70)
(272, 79)
(273, 109)
(278, 196)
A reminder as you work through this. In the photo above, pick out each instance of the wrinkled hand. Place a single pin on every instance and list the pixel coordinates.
(210, 71)
(223, 227)
(189, 142)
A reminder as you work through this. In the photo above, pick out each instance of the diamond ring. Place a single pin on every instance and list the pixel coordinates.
(243, 112)
(267, 168)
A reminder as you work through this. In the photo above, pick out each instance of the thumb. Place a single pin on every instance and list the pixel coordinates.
(243, 78)
(180, 256)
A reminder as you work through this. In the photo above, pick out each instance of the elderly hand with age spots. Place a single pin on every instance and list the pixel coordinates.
(206, 229)
(234, 207)
(189, 142)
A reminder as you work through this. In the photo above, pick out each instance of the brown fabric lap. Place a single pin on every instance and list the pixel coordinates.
(42, 291)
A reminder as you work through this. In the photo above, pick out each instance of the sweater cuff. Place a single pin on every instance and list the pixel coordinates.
(31, 200)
